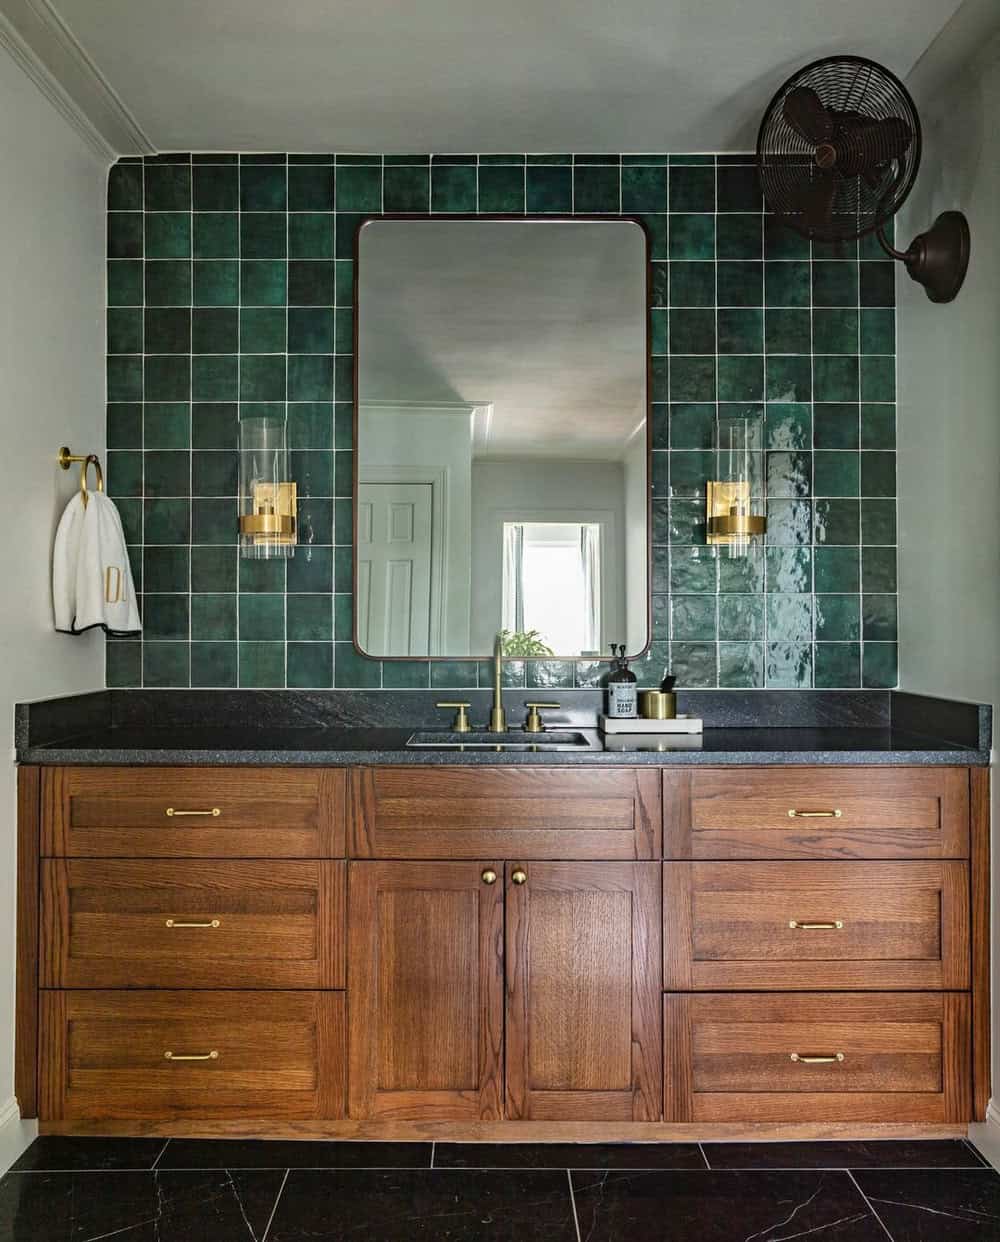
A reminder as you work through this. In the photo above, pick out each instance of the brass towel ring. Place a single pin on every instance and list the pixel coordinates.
(66, 459)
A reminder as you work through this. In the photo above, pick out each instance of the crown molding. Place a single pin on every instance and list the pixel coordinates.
(46, 49)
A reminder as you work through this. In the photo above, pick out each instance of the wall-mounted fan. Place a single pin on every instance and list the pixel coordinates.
(838, 152)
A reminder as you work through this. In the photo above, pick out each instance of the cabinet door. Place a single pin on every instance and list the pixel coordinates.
(583, 991)
(425, 980)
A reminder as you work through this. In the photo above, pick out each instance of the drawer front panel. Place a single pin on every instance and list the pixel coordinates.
(816, 926)
(817, 1057)
(817, 813)
(190, 812)
(543, 813)
(276, 1055)
(192, 924)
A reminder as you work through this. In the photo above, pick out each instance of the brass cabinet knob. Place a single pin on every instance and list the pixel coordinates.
(519, 876)
(489, 876)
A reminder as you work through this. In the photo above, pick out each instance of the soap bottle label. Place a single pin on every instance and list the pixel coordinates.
(622, 699)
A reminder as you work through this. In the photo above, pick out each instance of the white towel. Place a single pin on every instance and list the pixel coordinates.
(91, 576)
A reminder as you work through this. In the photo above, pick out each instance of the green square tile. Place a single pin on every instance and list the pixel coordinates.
(263, 187)
(683, 521)
(213, 665)
(310, 236)
(878, 569)
(787, 283)
(659, 295)
(168, 235)
(838, 570)
(216, 282)
(837, 521)
(310, 377)
(660, 606)
(788, 332)
(692, 426)
(124, 377)
(878, 474)
(835, 283)
(835, 377)
(692, 284)
(311, 569)
(216, 236)
(788, 569)
(262, 330)
(214, 377)
(345, 232)
(167, 521)
(782, 242)
(214, 521)
(692, 378)
(454, 674)
(262, 577)
(263, 235)
(131, 513)
(124, 426)
(741, 331)
(788, 474)
(691, 331)
(787, 425)
(310, 331)
(344, 329)
(789, 618)
(879, 666)
(167, 473)
(549, 192)
(878, 521)
(789, 522)
(836, 426)
(125, 472)
(214, 425)
(343, 377)
(168, 330)
(789, 378)
(693, 617)
(659, 372)
(216, 187)
(343, 283)
(453, 188)
(168, 283)
(359, 189)
(167, 377)
(741, 377)
(261, 665)
(125, 235)
(596, 189)
(878, 378)
(788, 666)
(166, 425)
(316, 524)
(213, 617)
(123, 663)
(658, 331)
(655, 228)
(310, 618)
(125, 187)
(264, 282)
(312, 470)
(740, 283)
(739, 188)
(741, 665)
(311, 282)
(835, 331)
(213, 473)
(659, 474)
(343, 619)
(879, 618)
(215, 330)
(842, 248)
(310, 188)
(741, 616)
(693, 571)
(262, 618)
(739, 237)
(262, 377)
(838, 666)
(355, 671)
(693, 664)
(692, 189)
(167, 187)
(878, 284)
(644, 188)
(878, 331)
(310, 425)
(501, 189)
(344, 474)
(692, 237)
(310, 665)
(164, 663)
(835, 473)
(124, 282)
(838, 618)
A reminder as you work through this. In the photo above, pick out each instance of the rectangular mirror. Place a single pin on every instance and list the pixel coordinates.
(501, 438)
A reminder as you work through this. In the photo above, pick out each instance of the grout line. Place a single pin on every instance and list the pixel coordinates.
(870, 1207)
(159, 1156)
(572, 1203)
(704, 1155)
(433, 1147)
(270, 1219)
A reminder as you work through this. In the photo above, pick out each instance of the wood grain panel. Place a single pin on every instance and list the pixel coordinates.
(29, 788)
(726, 926)
(884, 813)
(980, 905)
(583, 986)
(280, 1055)
(450, 813)
(426, 987)
(280, 924)
(263, 812)
(902, 1053)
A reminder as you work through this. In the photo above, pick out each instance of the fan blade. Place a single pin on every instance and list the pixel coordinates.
(803, 110)
(866, 147)
(816, 201)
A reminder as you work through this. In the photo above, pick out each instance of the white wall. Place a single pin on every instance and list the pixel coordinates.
(949, 412)
(52, 393)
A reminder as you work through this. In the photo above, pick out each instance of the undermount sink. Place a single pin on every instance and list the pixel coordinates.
(551, 739)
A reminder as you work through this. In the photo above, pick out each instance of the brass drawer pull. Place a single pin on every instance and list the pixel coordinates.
(836, 925)
(817, 1058)
(173, 813)
(177, 923)
(192, 1056)
(836, 814)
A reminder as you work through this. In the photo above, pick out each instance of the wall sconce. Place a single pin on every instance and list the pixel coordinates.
(735, 506)
(268, 499)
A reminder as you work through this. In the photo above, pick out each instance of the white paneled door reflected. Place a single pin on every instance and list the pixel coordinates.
(394, 567)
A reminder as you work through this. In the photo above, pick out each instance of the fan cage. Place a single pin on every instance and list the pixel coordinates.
(787, 164)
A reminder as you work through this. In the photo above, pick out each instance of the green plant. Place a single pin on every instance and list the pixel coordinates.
(519, 644)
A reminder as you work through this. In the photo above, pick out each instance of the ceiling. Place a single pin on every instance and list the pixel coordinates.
(451, 75)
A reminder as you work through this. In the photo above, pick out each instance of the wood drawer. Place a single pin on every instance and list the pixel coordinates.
(730, 1058)
(728, 926)
(114, 924)
(816, 813)
(505, 812)
(192, 812)
(280, 1055)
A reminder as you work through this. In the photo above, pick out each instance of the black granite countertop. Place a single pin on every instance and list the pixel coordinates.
(150, 729)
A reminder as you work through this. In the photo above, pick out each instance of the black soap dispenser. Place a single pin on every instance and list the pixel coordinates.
(623, 699)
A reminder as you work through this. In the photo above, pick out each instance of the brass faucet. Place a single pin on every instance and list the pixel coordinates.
(498, 717)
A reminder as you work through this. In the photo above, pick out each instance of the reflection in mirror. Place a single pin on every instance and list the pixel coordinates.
(501, 451)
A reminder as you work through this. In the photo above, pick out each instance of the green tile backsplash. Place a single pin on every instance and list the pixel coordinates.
(230, 288)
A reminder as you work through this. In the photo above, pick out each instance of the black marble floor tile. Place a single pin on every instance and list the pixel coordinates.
(722, 1206)
(936, 1206)
(875, 1154)
(55, 1152)
(568, 1156)
(139, 1207)
(258, 1154)
(425, 1206)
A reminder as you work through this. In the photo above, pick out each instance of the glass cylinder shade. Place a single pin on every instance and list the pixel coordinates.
(735, 497)
(268, 498)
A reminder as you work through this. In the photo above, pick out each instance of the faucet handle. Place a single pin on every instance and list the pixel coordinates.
(461, 722)
(534, 722)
